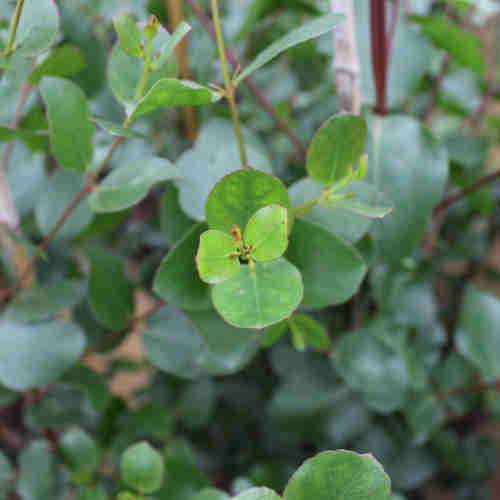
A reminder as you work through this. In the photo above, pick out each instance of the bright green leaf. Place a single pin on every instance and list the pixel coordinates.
(236, 198)
(142, 468)
(128, 185)
(313, 332)
(36, 354)
(259, 295)
(129, 35)
(308, 31)
(335, 148)
(67, 60)
(258, 494)
(175, 38)
(71, 131)
(118, 130)
(216, 259)
(211, 494)
(267, 233)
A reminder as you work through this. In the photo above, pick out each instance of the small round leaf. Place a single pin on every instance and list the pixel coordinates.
(142, 468)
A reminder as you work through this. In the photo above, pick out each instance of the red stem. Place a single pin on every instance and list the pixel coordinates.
(380, 55)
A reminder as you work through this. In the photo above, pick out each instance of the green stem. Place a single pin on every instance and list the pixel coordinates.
(306, 207)
(229, 84)
(13, 28)
(141, 87)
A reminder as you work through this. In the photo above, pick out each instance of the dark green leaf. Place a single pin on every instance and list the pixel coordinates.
(67, 60)
(36, 472)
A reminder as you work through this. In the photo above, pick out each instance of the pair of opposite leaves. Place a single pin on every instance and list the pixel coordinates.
(254, 286)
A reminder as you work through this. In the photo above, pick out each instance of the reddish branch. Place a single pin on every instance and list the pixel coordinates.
(250, 82)
(380, 55)
(469, 389)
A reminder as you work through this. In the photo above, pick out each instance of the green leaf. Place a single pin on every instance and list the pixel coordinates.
(67, 60)
(176, 37)
(411, 168)
(359, 208)
(464, 46)
(313, 332)
(8, 134)
(259, 295)
(425, 414)
(80, 452)
(42, 302)
(177, 281)
(267, 233)
(170, 92)
(174, 223)
(57, 192)
(7, 474)
(272, 334)
(216, 260)
(34, 355)
(373, 367)
(258, 494)
(211, 494)
(331, 269)
(128, 185)
(110, 292)
(93, 493)
(339, 474)
(129, 35)
(36, 472)
(335, 148)
(477, 338)
(142, 468)
(38, 27)
(236, 198)
(71, 131)
(308, 31)
(118, 130)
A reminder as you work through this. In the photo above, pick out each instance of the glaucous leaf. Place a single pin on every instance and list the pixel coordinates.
(411, 168)
(174, 223)
(36, 354)
(258, 494)
(129, 35)
(175, 38)
(71, 131)
(177, 281)
(308, 31)
(239, 195)
(259, 296)
(80, 451)
(216, 260)
(267, 233)
(331, 269)
(67, 60)
(7, 474)
(359, 208)
(110, 292)
(211, 494)
(335, 148)
(126, 186)
(118, 130)
(36, 472)
(169, 92)
(477, 338)
(339, 474)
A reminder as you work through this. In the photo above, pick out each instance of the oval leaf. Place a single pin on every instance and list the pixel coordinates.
(129, 35)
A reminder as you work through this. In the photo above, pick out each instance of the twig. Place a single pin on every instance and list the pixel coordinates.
(471, 388)
(346, 62)
(392, 26)
(11, 38)
(380, 57)
(250, 82)
(229, 84)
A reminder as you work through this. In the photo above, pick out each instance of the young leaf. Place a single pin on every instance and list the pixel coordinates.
(236, 198)
(129, 35)
(128, 185)
(308, 31)
(142, 468)
(313, 332)
(335, 148)
(172, 92)
(71, 131)
(339, 474)
(175, 38)
(259, 295)
(215, 259)
(267, 233)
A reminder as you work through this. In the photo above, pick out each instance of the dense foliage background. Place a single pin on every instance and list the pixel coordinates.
(107, 335)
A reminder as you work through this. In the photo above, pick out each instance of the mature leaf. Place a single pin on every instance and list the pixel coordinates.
(267, 233)
(359, 208)
(38, 27)
(177, 281)
(425, 414)
(335, 148)
(214, 155)
(71, 131)
(8, 134)
(34, 355)
(128, 185)
(478, 335)
(67, 60)
(339, 474)
(411, 169)
(110, 291)
(331, 269)
(216, 260)
(464, 46)
(80, 451)
(7, 474)
(259, 296)
(36, 472)
(313, 332)
(308, 31)
(236, 198)
(118, 130)
(42, 302)
(129, 35)
(170, 92)
(373, 367)
(174, 223)
(258, 494)
(211, 494)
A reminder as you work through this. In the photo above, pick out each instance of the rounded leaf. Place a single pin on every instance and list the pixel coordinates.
(236, 198)
(142, 468)
(80, 450)
(259, 295)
